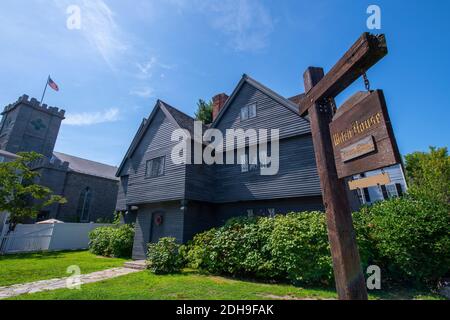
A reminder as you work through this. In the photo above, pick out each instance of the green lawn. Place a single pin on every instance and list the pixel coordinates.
(192, 286)
(23, 268)
(16, 269)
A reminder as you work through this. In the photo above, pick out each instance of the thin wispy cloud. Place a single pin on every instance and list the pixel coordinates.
(247, 24)
(91, 118)
(99, 28)
(146, 68)
(144, 92)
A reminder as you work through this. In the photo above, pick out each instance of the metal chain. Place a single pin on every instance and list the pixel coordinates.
(333, 106)
(366, 81)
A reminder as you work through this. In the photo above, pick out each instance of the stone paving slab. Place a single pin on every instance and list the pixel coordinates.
(61, 283)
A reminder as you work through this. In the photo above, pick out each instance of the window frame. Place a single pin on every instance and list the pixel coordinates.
(245, 110)
(246, 166)
(85, 200)
(162, 165)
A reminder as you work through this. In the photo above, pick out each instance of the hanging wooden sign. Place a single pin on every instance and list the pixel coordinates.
(362, 135)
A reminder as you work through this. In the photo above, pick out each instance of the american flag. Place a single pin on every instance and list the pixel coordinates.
(52, 84)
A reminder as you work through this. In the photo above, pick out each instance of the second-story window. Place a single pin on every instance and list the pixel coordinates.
(248, 112)
(249, 164)
(155, 167)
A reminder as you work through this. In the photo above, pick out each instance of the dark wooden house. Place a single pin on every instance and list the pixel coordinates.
(182, 200)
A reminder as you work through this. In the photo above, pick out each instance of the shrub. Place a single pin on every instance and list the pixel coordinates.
(122, 241)
(114, 241)
(164, 257)
(408, 238)
(99, 241)
(198, 252)
(300, 248)
(293, 247)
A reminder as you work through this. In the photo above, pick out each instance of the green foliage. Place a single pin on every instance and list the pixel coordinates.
(407, 238)
(428, 175)
(100, 241)
(114, 241)
(293, 247)
(164, 257)
(122, 241)
(204, 111)
(19, 195)
(300, 248)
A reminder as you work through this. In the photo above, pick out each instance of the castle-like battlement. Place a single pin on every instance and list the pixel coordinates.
(34, 103)
(50, 164)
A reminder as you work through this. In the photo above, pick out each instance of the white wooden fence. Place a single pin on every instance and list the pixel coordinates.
(46, 237)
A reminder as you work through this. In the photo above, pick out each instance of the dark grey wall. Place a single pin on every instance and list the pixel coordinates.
(270, 114)
(155, 143)
(103, 201)
(297, 176)
(199, 217)
(53, 178)
(122, 194)
(172, 225)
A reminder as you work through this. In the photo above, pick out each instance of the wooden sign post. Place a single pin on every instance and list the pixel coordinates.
(320, 93)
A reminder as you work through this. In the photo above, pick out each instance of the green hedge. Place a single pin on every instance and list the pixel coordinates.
(114, 241)
(407, 238)
(293, 247)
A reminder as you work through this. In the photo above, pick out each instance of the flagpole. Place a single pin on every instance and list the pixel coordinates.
(45, 89)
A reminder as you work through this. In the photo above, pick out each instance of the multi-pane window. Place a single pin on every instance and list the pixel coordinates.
(394, 190)
(363, 195)
(263, 160)
(248, 112)
(384, 192)
(155, 167)
(244, 162)
(249, 164)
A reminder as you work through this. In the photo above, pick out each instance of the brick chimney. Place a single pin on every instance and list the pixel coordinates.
(218, 103)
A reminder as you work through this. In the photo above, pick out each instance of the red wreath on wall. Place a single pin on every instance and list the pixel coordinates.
(158, 220)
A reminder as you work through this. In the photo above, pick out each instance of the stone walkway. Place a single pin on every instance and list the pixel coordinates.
(61, 283)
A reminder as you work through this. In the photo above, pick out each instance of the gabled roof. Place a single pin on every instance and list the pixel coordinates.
(290, 105)
(133, 143)
(184, 121)
(88, 167)
(175, 116)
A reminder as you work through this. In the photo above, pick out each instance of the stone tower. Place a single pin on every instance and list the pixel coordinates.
(28, 126)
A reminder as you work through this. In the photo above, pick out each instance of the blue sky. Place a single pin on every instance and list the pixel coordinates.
(128, 54)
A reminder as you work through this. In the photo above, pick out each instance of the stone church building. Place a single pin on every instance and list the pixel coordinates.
(89, 187)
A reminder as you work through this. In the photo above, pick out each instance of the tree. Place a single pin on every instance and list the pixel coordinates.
(428, 174)
(19, 195)
(204, 111)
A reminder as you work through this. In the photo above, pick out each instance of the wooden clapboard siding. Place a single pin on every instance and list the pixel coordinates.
(155, 142)
(270, 114)
(172, 225)
(297, 176)
(121, 204)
